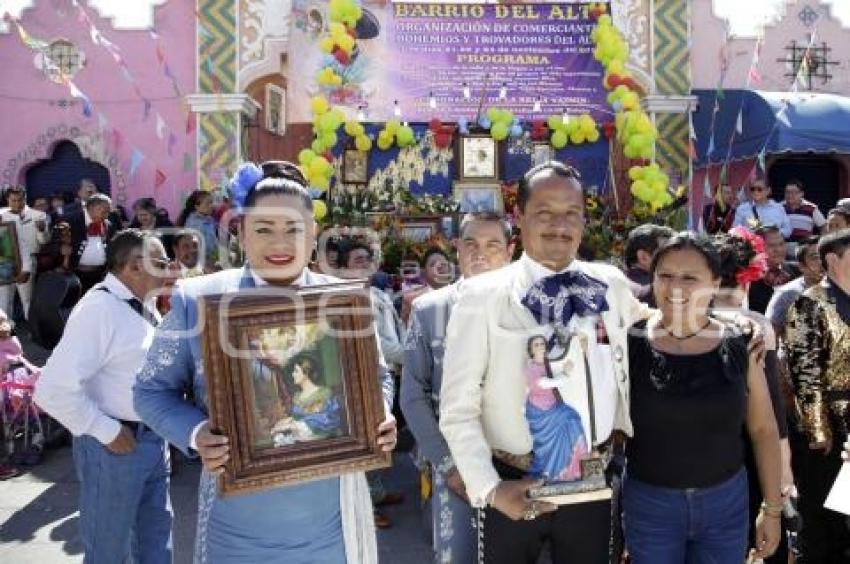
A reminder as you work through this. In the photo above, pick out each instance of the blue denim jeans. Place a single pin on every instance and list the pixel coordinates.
(124, 504)
(693, 526)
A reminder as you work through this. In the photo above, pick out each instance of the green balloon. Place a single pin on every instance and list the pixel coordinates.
(559, 139)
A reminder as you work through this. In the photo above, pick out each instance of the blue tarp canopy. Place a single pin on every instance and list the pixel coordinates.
(810, 123)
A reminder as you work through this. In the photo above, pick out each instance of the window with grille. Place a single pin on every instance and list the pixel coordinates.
(61, 58)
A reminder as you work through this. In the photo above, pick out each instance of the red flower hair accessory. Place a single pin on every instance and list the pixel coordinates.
(757, 267)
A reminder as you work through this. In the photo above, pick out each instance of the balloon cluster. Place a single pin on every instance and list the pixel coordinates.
(501, 123)
(576, 131)
(637, 134)
(634, 130)
(395, 132)
(317, 169)
(328, 77)
(340, 43)
(650, 185)
(361, 141)
(326, 121)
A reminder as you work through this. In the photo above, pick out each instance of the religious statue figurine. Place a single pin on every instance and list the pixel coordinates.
(561, 455)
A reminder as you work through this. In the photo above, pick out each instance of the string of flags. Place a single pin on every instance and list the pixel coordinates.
(115, 138)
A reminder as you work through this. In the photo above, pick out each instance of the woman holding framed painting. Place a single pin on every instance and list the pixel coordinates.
(326, 519)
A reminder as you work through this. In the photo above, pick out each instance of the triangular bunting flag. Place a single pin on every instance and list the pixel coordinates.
(187, 162)
(159, 179)
(136, 159)
(190, 123)
(116, 139)
(172, 140)
(739, 123)
(147, 111)
(160, 126)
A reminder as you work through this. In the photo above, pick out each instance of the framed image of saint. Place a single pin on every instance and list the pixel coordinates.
(10, 257)
(479, 197)
(420, 229)
(541, 153)
(355, 167)
(293, 383)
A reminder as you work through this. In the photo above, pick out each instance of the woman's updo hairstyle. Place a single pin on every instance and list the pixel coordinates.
(271, 178)
(742, 257)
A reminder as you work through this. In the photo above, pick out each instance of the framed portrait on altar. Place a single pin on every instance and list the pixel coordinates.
(10, 257)
(484, 197)
(355, 167)
(420, 229)
(477, 158)
(542, 153)
(292, 377)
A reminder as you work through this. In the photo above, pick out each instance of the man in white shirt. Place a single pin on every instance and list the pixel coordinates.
(86, 385)
(485, 390)
(761, 211)
(32, 232)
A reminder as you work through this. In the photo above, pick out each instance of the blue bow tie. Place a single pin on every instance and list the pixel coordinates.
(555, 299)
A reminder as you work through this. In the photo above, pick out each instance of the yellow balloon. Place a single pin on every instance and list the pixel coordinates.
(326, 44)
(363, 143)
(319, 105)
(320, 209)
(337, 30)
(345, 42)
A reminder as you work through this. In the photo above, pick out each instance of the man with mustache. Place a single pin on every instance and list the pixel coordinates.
(484, 391)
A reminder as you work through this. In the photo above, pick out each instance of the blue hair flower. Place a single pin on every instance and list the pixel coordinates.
(243, 181)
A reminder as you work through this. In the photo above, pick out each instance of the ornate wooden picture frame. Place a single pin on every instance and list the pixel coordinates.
(480, 197)
(10, 254)
(420, 229)
(355, 167)
(292, 377)
(477, 158)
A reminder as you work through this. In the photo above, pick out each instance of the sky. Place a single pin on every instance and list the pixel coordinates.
(745, 16)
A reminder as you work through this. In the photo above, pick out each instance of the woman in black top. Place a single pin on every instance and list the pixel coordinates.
(694, 388)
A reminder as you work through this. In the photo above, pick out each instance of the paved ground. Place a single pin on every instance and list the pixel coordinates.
(39, 518)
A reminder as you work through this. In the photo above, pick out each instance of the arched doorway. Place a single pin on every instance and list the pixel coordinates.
(62, 172)
(820, 175)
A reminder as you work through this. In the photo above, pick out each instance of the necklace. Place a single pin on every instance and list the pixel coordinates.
(689, 335)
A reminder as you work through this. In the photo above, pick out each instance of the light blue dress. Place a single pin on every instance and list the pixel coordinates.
(295, 524)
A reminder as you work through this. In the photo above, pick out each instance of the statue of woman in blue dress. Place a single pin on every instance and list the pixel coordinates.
(328, 520)
(559, 444)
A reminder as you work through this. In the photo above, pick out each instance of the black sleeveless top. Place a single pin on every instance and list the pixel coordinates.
(688, 413)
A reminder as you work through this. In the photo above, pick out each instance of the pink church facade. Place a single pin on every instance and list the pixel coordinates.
(713, 48)
(137, 126)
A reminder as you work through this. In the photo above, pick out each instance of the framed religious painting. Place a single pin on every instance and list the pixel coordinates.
(479, 197)
(10, 257)
(420, 229)
(477, 158)
(355, 167)
(292, 381)
(541, 153)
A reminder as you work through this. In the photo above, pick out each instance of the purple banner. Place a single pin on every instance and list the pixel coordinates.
(410, 52)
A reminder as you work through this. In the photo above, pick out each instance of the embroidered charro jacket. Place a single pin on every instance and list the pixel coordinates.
(818, 347)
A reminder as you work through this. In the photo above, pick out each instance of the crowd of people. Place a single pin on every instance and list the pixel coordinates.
(700, 393)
